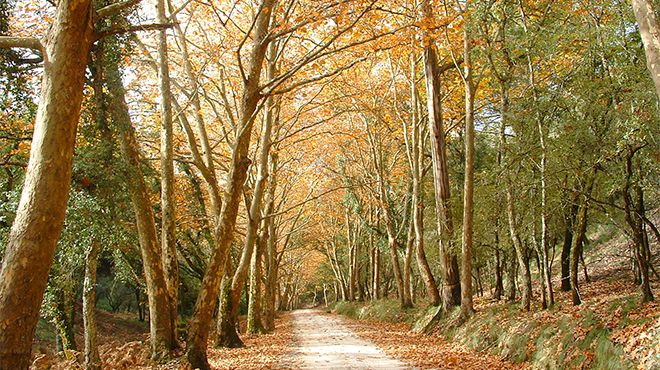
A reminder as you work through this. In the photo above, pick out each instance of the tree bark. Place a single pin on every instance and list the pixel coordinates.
(92, 358)
(467, 307)
(451, 288)
(569, 221)
(649, 29)
(271, 250)
(415, 152)
(41, 210)
(168, 218)
(578, 236)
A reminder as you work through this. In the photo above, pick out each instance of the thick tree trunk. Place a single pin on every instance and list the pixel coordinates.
(92, 358)
(41, 210)
(649, 29)
(200, 322)
(168, 218)
(159, 306)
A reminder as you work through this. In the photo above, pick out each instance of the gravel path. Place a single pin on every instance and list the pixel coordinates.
(324, 342)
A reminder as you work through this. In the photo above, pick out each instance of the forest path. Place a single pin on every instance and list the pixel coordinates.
(324, 342)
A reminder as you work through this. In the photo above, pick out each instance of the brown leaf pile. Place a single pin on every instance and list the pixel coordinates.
(265, 351)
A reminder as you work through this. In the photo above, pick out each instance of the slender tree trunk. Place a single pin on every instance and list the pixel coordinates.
(578, 236)
(41, 210)
(168, 218)
(231, 339)
(634, 211)
(451, 288)
(376, 291)
(159, 312)
(407, 264)
(271, 252)
(467, 307)
(416, 159)
(198, 330)
(569, 220)
(92, 358)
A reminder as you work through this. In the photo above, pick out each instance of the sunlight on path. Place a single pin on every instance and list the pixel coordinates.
(323, 342)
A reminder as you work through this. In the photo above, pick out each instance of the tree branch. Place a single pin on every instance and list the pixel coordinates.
(140, 27)
(10, 42)
(113, 9)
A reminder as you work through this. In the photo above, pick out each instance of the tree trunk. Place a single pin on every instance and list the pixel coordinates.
(634, 211)
(231, 339)
(41, 210)
(92, 358)
(513, 273)
(168, 218)
(254, 324)
(200, 322)
(271, 252)
(569, 220)
(578, 236)
(407, 262)
(649, 29)
(451, 288)
(376, 291)
(159, 312)
(467, 307)
(416, 160)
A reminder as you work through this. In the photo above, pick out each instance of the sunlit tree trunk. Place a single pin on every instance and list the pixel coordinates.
(649, 29)
(41, 210)
(467, 308)
(168, 217)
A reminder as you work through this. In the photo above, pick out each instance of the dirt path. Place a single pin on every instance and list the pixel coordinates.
(324, 342)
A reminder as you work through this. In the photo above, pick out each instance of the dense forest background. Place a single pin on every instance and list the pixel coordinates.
(190, 162)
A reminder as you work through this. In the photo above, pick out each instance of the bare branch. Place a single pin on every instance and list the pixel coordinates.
(10, 42)
(113, 9)
(140, 27)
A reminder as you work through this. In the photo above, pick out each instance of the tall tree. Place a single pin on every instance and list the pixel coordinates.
(649, 29)
(451, 287)
(168, 219)
(41, 210)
